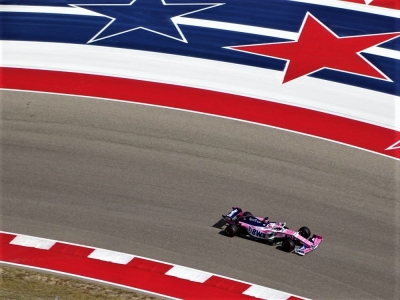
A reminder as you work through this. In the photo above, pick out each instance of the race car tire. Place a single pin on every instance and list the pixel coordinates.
(305, 232)
(247, 214)
(231, 230)
(288, 245)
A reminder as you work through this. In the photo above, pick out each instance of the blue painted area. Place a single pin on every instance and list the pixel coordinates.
(278, 14)
(252, 221)
(203, 42)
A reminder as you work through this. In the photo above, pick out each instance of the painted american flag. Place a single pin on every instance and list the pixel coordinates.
(329, 69)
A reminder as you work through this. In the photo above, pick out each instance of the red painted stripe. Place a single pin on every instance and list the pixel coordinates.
(5, 239)
(149, 265)
(294, 298)
(347, 131)
(227, 284)
(139, 273)
(394, 4)
(71, 249)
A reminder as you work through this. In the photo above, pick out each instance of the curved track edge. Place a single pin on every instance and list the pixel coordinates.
(126, 270)
(345, 131)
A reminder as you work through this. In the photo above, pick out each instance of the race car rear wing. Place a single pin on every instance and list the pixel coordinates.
(308, 247)
(232, 216)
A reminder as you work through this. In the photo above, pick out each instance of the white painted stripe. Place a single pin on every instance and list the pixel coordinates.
(238, 28)
(397, 114)
(80, 11)
(33, 242)
(191, 22)
(383, 52)
(307, 92)
(188, 274)
(48, 10)
(111, 256)
(355, 6)
(266, 293)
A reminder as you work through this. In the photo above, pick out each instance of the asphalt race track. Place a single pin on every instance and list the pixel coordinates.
(154, 182)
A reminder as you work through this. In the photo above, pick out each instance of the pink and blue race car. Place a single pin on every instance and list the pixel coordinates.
(258, 228)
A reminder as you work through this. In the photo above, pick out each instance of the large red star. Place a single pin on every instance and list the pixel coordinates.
(318, 47)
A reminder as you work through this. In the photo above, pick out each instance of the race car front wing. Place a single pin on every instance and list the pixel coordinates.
(308, 247)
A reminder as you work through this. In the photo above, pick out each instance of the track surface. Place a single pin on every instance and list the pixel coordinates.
(153, 182)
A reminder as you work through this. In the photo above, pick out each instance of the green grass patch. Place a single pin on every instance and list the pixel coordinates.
(24, 284)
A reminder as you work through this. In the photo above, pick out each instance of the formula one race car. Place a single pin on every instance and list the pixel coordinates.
(245, 224)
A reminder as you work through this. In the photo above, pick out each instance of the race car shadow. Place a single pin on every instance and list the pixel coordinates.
(220, 224)
(277, 246)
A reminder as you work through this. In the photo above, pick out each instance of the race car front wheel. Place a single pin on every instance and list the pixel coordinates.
(231, 230)
(305, 232)
(288, 245)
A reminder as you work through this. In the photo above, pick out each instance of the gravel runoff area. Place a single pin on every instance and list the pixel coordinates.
(21, 284)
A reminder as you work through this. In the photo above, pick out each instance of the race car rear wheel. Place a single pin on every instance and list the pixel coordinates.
(247, 214)
(288, 245)
(305, 232)
(231, 230)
